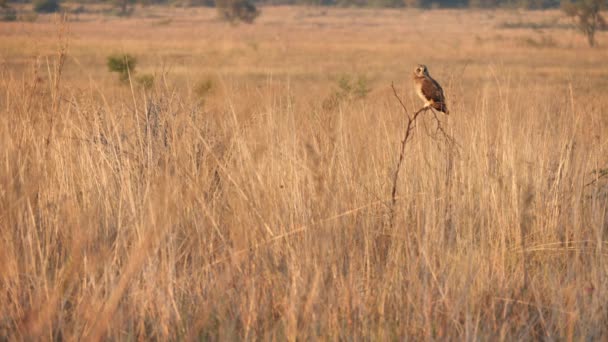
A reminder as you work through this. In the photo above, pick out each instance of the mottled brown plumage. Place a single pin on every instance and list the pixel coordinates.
(429, 90)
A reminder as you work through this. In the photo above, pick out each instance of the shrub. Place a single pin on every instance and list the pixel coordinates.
(349, 89)
(202, 89)
(237, 10)
(46, 6)
(123, 64)
(353, 89)
(146, 81)
(8, 14)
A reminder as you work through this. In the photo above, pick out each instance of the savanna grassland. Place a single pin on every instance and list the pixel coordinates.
(245, 193)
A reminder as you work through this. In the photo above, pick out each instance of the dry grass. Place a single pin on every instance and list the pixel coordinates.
(257, 207)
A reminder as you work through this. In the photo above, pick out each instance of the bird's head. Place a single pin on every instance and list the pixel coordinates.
(421, 71)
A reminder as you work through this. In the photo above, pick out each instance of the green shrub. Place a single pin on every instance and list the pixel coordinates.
(123, 64)
(349, 88)
(202, 89)
(353, 88)
(8, 14)
(145, 80)
(46, 6)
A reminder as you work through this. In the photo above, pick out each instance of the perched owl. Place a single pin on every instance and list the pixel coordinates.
(429, 90)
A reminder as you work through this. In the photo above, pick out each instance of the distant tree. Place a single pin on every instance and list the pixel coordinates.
(237, 10)
(46, 6)
(587, 16)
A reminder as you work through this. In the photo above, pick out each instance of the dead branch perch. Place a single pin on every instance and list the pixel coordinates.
(411, 120)
(410, 126)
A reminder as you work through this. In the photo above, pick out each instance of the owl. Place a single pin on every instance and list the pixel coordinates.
(429, 90)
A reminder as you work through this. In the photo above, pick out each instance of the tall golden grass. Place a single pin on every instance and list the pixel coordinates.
(247, 196)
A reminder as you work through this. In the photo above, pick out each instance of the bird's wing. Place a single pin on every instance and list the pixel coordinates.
(432, 90)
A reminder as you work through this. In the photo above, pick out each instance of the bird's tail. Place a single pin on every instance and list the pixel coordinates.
(440, 106)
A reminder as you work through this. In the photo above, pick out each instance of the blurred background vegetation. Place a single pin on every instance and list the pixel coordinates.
(586, 14)
(529, 4)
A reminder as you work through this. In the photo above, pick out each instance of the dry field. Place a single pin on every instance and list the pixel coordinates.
(247, 193)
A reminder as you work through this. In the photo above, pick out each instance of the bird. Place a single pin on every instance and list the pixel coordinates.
(429, 90)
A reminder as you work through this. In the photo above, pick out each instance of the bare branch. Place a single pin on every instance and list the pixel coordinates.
(408, 130)
(411, 120)
(398, 98)
(439, 129)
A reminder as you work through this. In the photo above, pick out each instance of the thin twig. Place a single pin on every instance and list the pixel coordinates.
(439, 129)
(399, 99)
